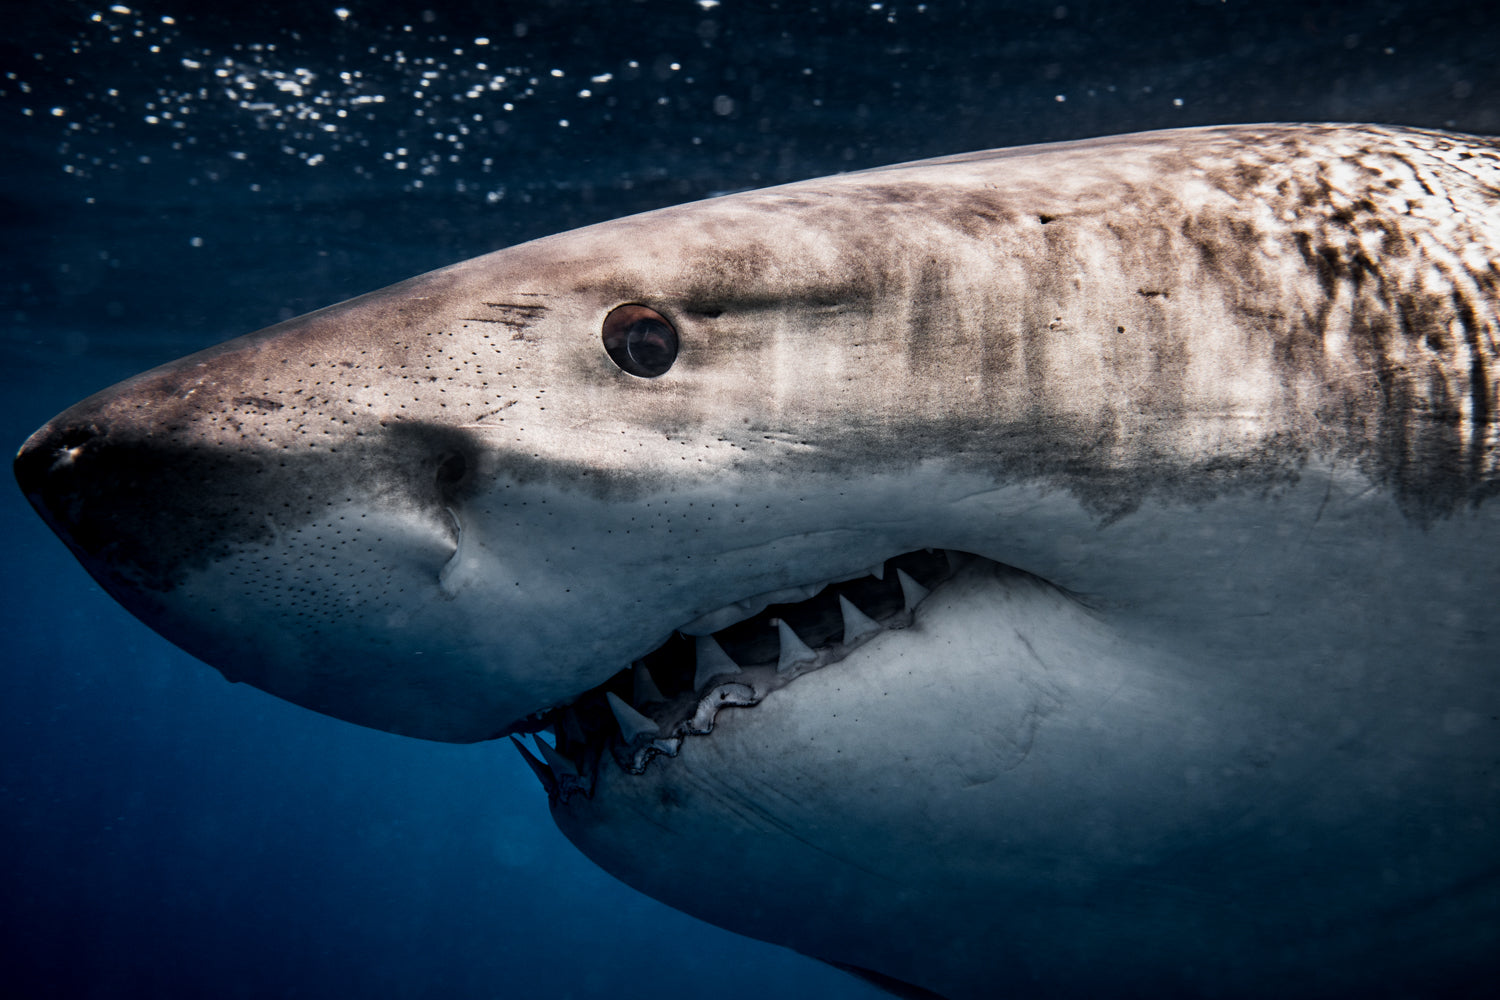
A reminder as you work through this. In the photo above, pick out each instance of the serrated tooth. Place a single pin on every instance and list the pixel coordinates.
(857, 624)
(878, 571)
(646, 690)
(632, 723)
(712, 662)
(912, 591)
(560, 765)
(542, 772)
(793, 649)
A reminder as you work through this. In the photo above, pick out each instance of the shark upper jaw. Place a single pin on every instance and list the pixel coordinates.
(407, 600)
(416, 609)
(731, 658)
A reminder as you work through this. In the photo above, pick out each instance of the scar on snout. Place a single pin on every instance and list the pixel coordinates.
(258, 403)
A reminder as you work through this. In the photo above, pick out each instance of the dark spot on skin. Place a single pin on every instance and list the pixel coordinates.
(1248, 175)
(978, 214)
(451, 470)
(1044, 219)
(927, 307)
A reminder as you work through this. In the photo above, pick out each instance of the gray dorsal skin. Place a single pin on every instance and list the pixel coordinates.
(1221, 402)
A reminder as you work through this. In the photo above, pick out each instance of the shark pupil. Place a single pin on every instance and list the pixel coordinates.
(640, 340)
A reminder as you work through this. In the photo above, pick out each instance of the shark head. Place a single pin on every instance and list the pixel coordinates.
(446, 507)
(1182, 441)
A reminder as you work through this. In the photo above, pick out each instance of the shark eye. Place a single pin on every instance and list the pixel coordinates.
(640, 340)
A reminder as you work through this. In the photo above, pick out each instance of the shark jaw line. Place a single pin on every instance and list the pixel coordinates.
(676, 691)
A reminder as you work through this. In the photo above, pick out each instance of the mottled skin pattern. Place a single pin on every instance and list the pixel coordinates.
(1233, 388)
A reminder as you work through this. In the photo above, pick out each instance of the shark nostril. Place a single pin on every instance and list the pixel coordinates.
(75, 437)
(49, 452)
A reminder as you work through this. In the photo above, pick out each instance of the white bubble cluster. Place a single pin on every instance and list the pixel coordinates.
(255, 102)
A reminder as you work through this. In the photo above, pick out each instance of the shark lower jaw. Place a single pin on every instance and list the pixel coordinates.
(648, 709)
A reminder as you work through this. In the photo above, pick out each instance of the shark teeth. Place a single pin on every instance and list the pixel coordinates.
(560, 765)
(646, 691)
(732, 614)
(711, 662)
(677, 690)
(911, 590)
(633, 724)
(793, 650)
(857, 624)
(542, 771)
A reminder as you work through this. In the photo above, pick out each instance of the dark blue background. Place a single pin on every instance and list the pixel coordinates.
(163, 833)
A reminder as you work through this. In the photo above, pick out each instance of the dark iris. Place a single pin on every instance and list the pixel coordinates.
(640, 340)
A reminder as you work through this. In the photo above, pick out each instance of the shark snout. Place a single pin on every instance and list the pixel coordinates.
(53, 470)
(44, 462)
(140, 500)
(302, 553)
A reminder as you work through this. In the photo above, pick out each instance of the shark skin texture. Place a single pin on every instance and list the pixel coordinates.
(1053, 571)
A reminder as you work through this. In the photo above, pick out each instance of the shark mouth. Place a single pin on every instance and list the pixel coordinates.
(675, 692)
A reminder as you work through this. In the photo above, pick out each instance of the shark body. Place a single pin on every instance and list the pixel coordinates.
(1158, 472)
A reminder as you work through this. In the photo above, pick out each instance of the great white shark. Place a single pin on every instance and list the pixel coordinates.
(1063, 570)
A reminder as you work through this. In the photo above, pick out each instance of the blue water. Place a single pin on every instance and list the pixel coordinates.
(173, 178)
